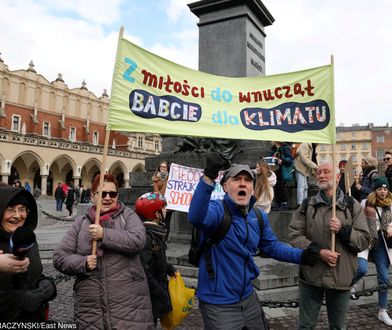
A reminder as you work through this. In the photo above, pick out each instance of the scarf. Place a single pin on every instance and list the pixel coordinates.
(92, 211)
(162, 175)
(156, 229)
(104, 215)
(385, 204)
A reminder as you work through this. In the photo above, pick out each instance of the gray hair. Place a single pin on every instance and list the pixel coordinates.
(329, 161)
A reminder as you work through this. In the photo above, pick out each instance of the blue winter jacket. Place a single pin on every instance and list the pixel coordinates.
(232, 257)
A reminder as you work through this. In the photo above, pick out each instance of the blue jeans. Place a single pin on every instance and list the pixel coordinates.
(302, 187)
(361, 270)
(59, 204)
(380, 257)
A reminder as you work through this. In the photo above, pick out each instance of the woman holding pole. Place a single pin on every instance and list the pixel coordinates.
(111, 290)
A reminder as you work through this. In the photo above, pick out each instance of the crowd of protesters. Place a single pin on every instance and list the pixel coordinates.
(118, 257)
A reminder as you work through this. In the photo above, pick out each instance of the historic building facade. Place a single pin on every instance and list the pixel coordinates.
(50, 133)
(359, 141)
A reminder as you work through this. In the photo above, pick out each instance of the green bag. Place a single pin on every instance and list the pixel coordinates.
(288, 172)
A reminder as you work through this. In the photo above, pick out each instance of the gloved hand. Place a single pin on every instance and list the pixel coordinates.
(48, 289)
(33, 300)
(310, 256)
(214, 163)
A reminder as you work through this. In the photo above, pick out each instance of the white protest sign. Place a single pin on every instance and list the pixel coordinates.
(181, 185)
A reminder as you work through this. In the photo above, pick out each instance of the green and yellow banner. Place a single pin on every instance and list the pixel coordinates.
(153, 95)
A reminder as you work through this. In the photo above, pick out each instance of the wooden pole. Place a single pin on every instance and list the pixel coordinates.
(102, 174)
(103, 166)
(334, 171)
(333, 194)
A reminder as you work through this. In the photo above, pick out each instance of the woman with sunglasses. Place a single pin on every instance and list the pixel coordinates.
(111, 289)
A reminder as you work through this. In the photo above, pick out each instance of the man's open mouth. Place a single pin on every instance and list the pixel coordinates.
(242, 193)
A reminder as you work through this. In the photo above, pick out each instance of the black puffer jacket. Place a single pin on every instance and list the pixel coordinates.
(13, 286)
(157, 268)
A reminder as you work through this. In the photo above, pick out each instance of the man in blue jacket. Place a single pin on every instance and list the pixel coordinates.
(228, 300)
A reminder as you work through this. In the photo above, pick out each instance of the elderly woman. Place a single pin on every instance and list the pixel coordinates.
(24, 290)
(111, 289)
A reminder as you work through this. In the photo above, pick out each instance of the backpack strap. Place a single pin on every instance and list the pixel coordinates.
(260, 217)
(304, 206)
(372, 173)
(215, 238)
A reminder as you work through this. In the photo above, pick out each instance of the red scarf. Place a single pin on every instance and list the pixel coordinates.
(105, 215)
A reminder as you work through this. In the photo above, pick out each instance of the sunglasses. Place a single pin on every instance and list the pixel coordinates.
(112, 194)
(387, 159)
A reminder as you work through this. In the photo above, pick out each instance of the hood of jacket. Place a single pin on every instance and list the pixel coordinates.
(7, 194)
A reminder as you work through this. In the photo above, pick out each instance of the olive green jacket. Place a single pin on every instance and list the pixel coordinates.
(311, 228)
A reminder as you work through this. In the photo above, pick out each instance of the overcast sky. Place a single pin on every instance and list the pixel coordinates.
(78, 39)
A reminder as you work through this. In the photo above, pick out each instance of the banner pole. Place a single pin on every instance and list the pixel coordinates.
(103, 166)
(334, 171)
(347, 183)
(102, 174)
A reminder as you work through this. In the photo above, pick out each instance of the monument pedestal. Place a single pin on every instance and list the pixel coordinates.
(181, 229)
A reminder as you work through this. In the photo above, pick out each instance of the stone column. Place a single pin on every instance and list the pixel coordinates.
(77, 181)
(232, 37)
(4, 178)
(44, 182)
(231, 44)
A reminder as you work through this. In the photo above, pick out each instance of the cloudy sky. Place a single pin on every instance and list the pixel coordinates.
(78, 39)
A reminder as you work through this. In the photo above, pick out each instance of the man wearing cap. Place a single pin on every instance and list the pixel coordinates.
(227, 300)
(369, 173)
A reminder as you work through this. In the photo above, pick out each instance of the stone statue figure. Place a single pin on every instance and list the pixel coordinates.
(225, 147)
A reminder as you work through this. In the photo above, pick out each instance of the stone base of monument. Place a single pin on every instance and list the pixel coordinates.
(180, 229)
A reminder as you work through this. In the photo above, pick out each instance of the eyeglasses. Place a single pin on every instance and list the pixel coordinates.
(11, 210)
(112, 194)
(387, 159)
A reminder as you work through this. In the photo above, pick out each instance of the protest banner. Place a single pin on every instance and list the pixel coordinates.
(181, 185)
(151, 94)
